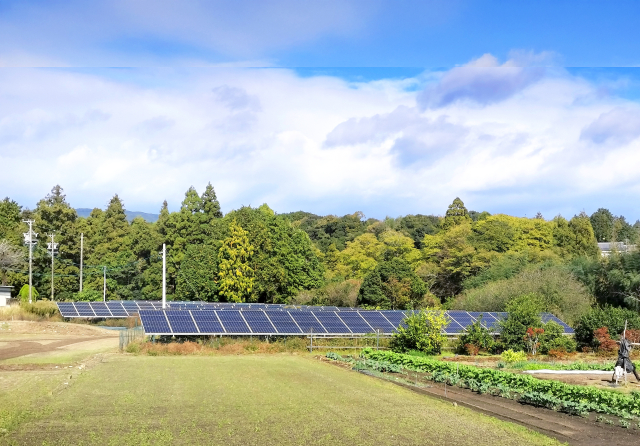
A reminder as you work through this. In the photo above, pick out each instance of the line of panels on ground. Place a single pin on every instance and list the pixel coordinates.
(126, 308)
(260, 322)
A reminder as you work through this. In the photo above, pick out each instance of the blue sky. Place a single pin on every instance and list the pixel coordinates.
(328, 106)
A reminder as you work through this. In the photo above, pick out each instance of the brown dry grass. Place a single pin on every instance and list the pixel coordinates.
(222, 346)
(18, 313)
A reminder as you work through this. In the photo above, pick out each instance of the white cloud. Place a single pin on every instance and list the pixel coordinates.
(317, 143)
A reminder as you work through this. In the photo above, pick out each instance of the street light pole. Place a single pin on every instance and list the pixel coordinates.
(81, 255)
(104, 285)
(52, 248)
(29, 240)
(164, 276)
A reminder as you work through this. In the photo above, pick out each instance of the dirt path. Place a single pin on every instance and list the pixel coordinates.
(23, 348)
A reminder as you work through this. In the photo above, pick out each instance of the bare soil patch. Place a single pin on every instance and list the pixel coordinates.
(589, 379)
(23, 348)
(59, 328)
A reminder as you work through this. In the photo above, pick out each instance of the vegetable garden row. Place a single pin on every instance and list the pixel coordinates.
(574, 399)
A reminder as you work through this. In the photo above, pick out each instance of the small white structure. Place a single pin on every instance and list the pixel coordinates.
(5, 295)
(608, 247)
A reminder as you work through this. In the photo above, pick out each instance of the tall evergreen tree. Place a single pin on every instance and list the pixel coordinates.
(456, 214)
(602, 223)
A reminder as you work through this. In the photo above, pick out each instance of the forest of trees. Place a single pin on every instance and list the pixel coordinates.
(464, 259)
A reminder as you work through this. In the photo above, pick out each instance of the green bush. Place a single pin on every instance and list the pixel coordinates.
(423, 332)
(524, 312)
(476, 334)
(509, 356)
(610, 317)
(24, 293)
(554, 338)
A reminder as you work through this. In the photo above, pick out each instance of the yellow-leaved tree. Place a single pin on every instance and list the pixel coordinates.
(235, 276)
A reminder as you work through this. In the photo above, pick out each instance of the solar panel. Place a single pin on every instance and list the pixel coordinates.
(207, 321)
(181, 322)
(307, 322)
(84, 309)
(355, 322)
(283, 322)
(258, 322)
(67, 309)
(331, 322)
(396, 317)
(154, 322)
(117, 309)
(233, 322)
(377, 321)
(100, 309)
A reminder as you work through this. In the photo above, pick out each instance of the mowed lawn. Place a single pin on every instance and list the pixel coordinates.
(246, 400)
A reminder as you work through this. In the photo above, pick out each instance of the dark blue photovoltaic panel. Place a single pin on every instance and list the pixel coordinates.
(145, 306)
(100, 309)
(548, 317)
(207, 322)
(154, 322)
(181, 322)
(396, 317)
(67, 309)
(377, 321)
(453, 328)
(117, 309)
(331, 322)
(283, 322)
(258, 322)
(84, 309)
(355, 322)
(232, 321)
(307, 322)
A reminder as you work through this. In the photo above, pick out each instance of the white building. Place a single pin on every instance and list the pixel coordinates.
(5, 295)
(608, 247)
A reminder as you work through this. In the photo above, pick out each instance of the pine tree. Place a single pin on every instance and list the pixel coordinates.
(235, 276)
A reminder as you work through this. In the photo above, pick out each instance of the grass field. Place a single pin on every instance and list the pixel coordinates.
(278, 399)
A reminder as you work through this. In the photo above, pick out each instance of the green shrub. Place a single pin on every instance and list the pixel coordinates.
(509, 356)
(554, 338)
(423, 332)
(610, 317)
(24, 293)
(477, 335)
(524, 312)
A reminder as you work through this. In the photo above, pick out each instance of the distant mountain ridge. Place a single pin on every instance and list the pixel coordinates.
(151, 218)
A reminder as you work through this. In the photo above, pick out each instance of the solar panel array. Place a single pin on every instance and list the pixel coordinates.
(300, 322)
(126, 308)
(218, 318)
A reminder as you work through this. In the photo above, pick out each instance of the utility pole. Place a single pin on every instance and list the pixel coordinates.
(52, 247)
(104, 285)
(164, 276)
(81, 255)
(29, 239)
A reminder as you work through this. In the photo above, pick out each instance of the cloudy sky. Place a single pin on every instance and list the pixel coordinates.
(386, 107)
